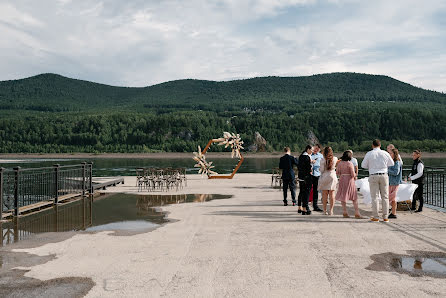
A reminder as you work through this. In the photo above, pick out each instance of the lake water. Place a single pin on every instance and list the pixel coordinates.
(126, 166)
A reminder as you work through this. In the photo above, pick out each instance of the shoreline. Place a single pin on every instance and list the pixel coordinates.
(173, 155)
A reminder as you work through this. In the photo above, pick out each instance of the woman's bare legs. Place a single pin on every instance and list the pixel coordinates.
(394, 207)
(324, 200)
(344, 209)
(332, 201)
(393, 203)
(355, 204)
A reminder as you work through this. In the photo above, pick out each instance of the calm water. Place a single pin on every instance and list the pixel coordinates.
(115, 212)
(126, 166)
(423, 265)
(139, 212)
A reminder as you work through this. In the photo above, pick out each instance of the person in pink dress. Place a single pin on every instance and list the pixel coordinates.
(347, 188)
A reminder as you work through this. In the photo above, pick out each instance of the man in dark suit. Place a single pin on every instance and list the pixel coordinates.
(286, 165)
(305, 171)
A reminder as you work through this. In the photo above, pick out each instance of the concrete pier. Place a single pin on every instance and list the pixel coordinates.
(250, 246)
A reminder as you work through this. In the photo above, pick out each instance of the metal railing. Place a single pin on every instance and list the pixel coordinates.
(24, 187)
(434, 191)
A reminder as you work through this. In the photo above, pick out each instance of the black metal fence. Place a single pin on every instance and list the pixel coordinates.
(24, 187)
(434, 186)
(434, 191)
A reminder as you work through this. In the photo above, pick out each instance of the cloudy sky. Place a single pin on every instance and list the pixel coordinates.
(144, 42)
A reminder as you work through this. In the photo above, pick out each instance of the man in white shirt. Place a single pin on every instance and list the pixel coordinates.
(377, 161)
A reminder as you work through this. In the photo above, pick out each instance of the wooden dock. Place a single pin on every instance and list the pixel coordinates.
(104, 182)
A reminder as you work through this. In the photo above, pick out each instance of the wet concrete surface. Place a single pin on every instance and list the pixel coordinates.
(248, 246)
(125, 215)
(414, 263)
(14, 283)
(129, 214)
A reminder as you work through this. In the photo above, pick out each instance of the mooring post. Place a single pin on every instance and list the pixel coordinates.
(56, 183)
(84, 165)
(16, 191)
(15, 223)
(90, 173)
(1, 200)
(1, 207)
(56, 218)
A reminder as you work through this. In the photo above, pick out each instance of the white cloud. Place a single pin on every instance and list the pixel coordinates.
(254, 9)
(10, 15)
(137, 43)
(346, 51)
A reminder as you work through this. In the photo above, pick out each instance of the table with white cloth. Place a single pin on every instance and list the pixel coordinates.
(404, 193)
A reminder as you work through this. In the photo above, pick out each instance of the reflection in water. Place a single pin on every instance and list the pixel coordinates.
(119, 209)
(422, 265)
(113, 212)
(72, 216)
(418, 264)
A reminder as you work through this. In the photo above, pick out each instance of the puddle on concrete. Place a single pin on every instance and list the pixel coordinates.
(115, 212)
(420, 265)
(135, 225)
(13, 283)
(415, 263)
(125, 212)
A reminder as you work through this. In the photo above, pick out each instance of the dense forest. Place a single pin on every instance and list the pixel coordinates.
(51, 113)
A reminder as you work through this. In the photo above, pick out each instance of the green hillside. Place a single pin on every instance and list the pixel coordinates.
(51, 113)
(49, 92)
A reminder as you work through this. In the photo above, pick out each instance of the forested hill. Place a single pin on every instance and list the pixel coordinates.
(50, 92)
(51, 113)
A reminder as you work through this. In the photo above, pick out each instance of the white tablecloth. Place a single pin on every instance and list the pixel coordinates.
(404, 193)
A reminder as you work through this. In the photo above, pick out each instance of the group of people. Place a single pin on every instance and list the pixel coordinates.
(323, 172)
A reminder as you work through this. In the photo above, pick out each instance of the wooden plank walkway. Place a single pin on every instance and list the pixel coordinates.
(104, 182)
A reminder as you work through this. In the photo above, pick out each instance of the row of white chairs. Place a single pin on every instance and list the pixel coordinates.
(152, 179)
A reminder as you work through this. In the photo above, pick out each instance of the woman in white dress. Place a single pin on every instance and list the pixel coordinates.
(328, 179)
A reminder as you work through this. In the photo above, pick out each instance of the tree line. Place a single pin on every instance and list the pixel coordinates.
(340, 125)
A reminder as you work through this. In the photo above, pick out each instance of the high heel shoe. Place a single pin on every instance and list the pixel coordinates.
(325, 213)
(359, 216)
(345, 215)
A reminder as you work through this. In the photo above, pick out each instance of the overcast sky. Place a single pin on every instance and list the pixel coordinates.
(140, 43)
